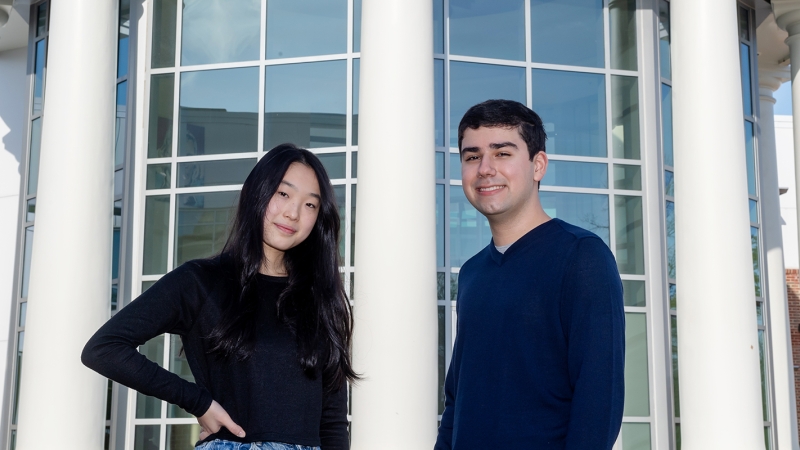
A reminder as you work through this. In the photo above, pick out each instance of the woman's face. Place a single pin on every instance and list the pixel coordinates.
(292, 211)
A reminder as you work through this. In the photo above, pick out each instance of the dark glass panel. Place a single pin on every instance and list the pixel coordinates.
(316, 28)
(162, 97)
(163, 35)
(201, 224)
(488, 28)
(567, 32)
(589, 211)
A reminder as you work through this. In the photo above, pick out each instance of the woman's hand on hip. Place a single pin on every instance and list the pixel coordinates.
(215, 418)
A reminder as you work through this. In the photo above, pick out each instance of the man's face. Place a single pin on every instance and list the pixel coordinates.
(498, 177)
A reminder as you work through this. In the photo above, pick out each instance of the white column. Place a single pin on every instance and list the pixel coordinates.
(395, 344)
(717, 332)
(782, 368)
(68, 300)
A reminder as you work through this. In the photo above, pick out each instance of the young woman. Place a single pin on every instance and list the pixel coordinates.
(265, 325)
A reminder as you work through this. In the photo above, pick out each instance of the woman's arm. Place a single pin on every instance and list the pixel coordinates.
(333, 431)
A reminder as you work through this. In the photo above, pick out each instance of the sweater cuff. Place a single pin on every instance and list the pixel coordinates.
(203, 403)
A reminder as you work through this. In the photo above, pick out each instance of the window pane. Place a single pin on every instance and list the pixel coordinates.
(666, 124)
(30, 210)
(576, 174)
(353, 225)
(472, 83)
(438, 27)
(219, 112)
(306, 104)
(573, 108)
(150, 407)
(33, 163)
(356, 85)
(469, 230)
(182, 437)
(120, 124)
(669, 183)
(504, 18)
(753, 211)
(759, 314)
(628, 177)
(438, 101)
(453, 287)
(567, 32)
(635, 436)
(38, 76)
(633, 293)
(26, 262)
(217, 32)
(751, 157)
(41, 19)
(214, 173)
(676, 399)
(673, 297)
(340, 192)
(116, 235)
(637, 393)
(671, 240)
(156, 234)
(664, 38)
(442, 343)
(589, 211)
(179, 365)
(335, 164)
(630, 235)
(440, 221)
(118, 183)
(764, 386)
(158, 176)
(439, 156)
(625, 117)
(354, 165)
(747, 95)
(622, 24)
(744, 23)
(122, 39)
(356, 26)
(23, 310)
(316, 28)
(455, 166)
(146, 437)
(147, 285)
(756, 264)
(164, 22)
(20, 345)
(162, 95)
(440, 285)
(201, 224)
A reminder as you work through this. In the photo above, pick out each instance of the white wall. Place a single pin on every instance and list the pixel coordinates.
(785, 149)
(13, 85)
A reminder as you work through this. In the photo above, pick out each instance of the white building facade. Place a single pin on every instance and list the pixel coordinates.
(138, 120)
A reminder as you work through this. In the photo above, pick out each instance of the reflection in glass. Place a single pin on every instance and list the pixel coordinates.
(572, 106)
(118, 182)
(156, 234)
(439, 157)
(120, 123)
(453, 286)
(150, 407)
(23, 310)
(664, 39)
(756, 264)
(747, 96)
(179, 365)
(356, 85)
(676, 398)
(505, 19)
(26, 262)
(30, 210)
(671, 240)
(666, 124)
(340, 192)
(181, 437)
(625, 117)
(763, 365)
(440, 285)
(335, 164)
(438, 101)
(38, 76)
(635, 436)
(353, 225)
(20, 345)
(472, 83)
(33, 161)
(622, 24)
(637, 397)
(146, 437)
(147, 285)
(315, 27)
(567, 32)
(162, 94)
(440, 221)
(750, 154)
(744, 23)
(356, 26)
(469, 230)
(122, 38)
(306, 104)
(673, 297)
(41, 19)
(201, 224)
(576, 174)
(455, 166)
(114, 298)
(158, 176)
(354, 164)
(217, 32)
(438, 27)
(669, 183)
(589, 211)
(753, 211)
(630, 234)
(115, 240)
(164, 23)
(441, 365)
(214, 173)
(218, 112)
(633, 293)
(759, 314)
(627, 177)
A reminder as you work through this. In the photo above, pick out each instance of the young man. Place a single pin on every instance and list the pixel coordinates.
(539, 355)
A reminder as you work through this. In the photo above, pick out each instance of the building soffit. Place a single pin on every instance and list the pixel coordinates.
(14, 34)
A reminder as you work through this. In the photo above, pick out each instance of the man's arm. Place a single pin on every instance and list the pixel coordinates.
(444, 441)
(594, 319)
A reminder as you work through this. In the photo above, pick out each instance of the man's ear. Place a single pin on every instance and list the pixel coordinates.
(539, 166)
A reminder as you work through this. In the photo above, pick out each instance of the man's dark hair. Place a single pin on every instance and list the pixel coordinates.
(506, 114)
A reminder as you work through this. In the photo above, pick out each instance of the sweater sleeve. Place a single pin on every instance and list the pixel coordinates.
(333, 432)
(593, 315)
(169, 306)
(444, 441)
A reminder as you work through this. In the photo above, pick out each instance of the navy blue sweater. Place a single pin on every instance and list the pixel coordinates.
(539, 355)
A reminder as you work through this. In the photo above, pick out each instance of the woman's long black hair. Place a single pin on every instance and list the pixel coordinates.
(314, 304)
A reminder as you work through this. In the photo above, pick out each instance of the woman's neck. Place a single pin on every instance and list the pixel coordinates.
(272, 264)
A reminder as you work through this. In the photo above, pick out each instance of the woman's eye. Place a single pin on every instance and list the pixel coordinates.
(311, 205)
(283, 194)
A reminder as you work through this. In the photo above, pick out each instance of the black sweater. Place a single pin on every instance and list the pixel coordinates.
(268, 395)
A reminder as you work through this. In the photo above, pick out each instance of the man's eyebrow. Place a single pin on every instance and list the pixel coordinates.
(469, 150)
(496, 145)
(295, 188)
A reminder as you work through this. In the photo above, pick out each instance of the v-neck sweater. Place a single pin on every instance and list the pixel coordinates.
(538, 360)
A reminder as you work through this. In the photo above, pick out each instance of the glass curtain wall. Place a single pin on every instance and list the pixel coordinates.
(225, 86)
(37, 64)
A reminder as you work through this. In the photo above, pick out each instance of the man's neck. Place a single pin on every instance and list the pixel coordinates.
(506, 231)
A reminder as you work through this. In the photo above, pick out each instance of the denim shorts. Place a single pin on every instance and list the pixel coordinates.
(219, 444)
